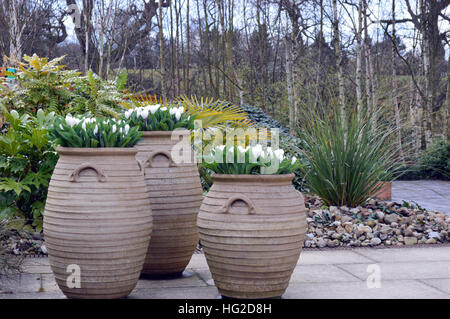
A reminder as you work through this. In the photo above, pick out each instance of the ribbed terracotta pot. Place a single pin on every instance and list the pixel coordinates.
(98, 218)
(252, 229)
(175, 194)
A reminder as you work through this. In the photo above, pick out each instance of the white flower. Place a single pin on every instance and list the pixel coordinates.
(114, 128)
(144, 114)
(257, 150)
(128, 114)
(127, 129)
(164, 109)
(172, 111)
(279, 153)
(96, 130)
(178, 114)
(15, 114)
(294, 159)
(220, 147)
(71, 121)
(153, 108)
(84, 125)
(61, 127)
(242, 150)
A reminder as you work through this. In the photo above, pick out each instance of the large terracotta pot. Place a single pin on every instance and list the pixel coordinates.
(385, 192)
(252, 229)
(98, 218)
(175, 194)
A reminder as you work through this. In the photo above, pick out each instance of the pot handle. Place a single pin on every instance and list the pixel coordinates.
(75, 175)
(141, 165)
(149, 161)
(226, 207)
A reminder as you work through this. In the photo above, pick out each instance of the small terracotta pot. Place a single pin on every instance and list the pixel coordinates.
(385, 192)
(97, 218)
(252, 229)
(175, 194)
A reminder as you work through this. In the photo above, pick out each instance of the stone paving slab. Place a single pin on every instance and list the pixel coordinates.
(428, 194)
(404, 273)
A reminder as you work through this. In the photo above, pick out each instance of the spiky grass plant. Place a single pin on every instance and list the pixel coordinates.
(346, 163)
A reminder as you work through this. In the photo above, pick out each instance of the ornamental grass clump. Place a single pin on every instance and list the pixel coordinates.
(154, 117)
(346, 163)
(87, 132)
(253, 160)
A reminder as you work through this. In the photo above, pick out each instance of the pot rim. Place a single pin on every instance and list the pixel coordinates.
(102, 151)
(164, 133)
(253, 178)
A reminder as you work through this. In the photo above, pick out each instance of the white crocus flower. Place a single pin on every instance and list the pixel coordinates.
(96, 130)
(127, 129)
(144, 114)
(128, 114)
(178, 115)
(61, 127)
(164, 109)
(294, 159)
(114, 128)
(153, 108)
(83, 126)
(172, 111)
(279, 154)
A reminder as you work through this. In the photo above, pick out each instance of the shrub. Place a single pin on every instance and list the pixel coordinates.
(435, 162)
(27, 160)
(47, 85)
(345, 165)
(431, 164)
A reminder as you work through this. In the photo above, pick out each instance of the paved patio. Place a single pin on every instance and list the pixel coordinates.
(403, 273)
(428, 194)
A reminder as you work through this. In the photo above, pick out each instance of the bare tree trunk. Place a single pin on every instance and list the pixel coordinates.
(15, 29)
(337, 53)
(446, 132)
(208, 49)
(412, 115)
(359, 98)
(161, 51)
(395, 87)
(319, 58)
(172, 54)
(289, 83)
(368, 62)
(188, 49)
(428, 89)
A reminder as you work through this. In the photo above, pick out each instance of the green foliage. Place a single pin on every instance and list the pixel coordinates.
(253, 160)
(47, 85)
(87, 132)
(345, 165)
(435, 162)
(431, 164)
(96, 96)
(27, 160)
(156, 118)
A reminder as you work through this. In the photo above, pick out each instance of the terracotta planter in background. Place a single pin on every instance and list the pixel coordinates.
(98, 218)
(252, 229)
(385, 193)
(175, 194)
